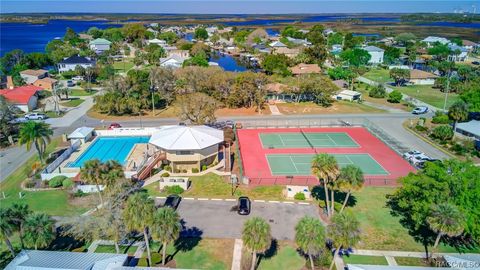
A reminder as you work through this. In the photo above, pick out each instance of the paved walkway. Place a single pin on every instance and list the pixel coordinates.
(72, 115)
(382, 107)
(237, 255)
(391, 261)
(274, 109)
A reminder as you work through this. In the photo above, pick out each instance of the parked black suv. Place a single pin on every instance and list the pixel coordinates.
(244, 206)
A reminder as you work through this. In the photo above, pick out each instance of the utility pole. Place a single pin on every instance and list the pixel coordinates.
(446, 92)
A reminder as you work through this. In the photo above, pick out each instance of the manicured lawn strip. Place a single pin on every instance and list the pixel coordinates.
(428, 94)
(214, 186)
(360, 259)
(54, 202)
(337, 107)
(196, 253)
(80, 92)
(285, 258)
(410, 261)
(378, 75)
(73, 102)
(111, 249)
(52, 114)
(122, 66)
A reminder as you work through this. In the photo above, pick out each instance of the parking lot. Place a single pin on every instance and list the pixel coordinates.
(219, 219)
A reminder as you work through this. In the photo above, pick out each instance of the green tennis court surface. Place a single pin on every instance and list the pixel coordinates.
(300, 164)
(307, 140)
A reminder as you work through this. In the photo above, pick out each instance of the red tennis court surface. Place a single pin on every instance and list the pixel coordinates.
(257, 169)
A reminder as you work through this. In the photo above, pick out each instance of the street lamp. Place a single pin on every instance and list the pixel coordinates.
(152, 90)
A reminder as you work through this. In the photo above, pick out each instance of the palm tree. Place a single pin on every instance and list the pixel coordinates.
(90, 173)
(256, 236)
(458, 112)
(325, 168)
(166, 228)
(18, 214)
(138, 215)
(344, 232)
(6, 228)
(37, 133)
(310, 237)
(39, 230)
(446, 219)
(350, 179)
(110, 172)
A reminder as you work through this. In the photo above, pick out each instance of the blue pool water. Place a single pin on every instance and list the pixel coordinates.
(109, 148)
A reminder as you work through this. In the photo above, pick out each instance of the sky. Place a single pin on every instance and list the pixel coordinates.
(234, 6)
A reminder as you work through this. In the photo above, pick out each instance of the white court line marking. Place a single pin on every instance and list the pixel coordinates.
(351, 162)
(280, 137)
(333, 141)
(293, 162)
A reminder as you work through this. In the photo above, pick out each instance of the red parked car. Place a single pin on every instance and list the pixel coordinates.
(114, 125)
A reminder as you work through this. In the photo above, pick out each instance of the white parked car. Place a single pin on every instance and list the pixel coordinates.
(409, 154)
(420, 110)
(77, 78)
(35, 116)
(419, 158)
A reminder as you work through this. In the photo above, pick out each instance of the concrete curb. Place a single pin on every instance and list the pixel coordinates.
(234, 200)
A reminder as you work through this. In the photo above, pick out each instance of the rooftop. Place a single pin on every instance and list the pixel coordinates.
(100, 41)
(21, 94)
(77, 60)
(373, 49)
(33, 72)
(186, 137)
(305, 69)
(416, 74)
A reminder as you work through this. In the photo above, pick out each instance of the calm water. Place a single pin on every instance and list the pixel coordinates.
(228, 62)
(34, 37)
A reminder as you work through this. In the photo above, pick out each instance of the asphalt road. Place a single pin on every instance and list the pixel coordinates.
(12, 158)
(218, 219)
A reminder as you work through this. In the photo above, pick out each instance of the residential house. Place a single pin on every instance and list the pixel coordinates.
(262, 48)
(470, 45)
(179, 53)
(23, 97)
(459, 53)
(348, 95)
(421, 77)
(173, 61)
(159, 42)
(375, 53)
(336, 49)
(292, 53)
(277, 44)
(151, 30)
(46, 83)
(70, 63)
(299, 42)
(431, 40)
(328, 31)
(469, 129)
(342, 84)
(99, 45)
(277, 92)
(56, 260)
(31, 75)
(305, 69)
(85, 36)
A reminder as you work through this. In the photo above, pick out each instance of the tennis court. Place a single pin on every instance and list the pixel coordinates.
(307, 139)
(301, 164)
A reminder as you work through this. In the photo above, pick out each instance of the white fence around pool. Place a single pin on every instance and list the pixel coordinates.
(51, 170)
(126, 132)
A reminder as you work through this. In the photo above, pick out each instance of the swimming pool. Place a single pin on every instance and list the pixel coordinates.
(109, 148)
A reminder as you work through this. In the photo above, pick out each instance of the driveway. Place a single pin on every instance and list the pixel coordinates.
(217, 219)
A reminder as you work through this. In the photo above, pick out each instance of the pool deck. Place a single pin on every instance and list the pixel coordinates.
(137, 155)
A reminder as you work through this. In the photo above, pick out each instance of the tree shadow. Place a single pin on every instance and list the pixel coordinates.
(64, 242)
(269, 253)
(189, 239)
(318, 194)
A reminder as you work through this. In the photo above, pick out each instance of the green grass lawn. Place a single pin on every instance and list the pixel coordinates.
(378, 75)
(360, 259)
(111, 249)
(54, 202)
(409, 261)
(73, 102)
(80, 92)
(214, 186)
(428, 94)
(196, 253)
(123, 66)
(285, 258)
(52, 114)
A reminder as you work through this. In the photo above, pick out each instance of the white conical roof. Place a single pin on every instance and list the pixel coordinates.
(186, 138)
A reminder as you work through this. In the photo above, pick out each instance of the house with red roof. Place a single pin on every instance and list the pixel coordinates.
(24, 97)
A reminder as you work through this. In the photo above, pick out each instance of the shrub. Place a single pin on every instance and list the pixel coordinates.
(443, 133)
(204, 167)
(395, 97)
(165, 174)
(299, 196)
(176, 189)
(421, 128)
(378, 91)
(195, 170)
(176, 171)
(67, 183)
(440, 118)
(79, 193)
(56, 181)
(184, 171)
(30, 183)
(167, 168)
